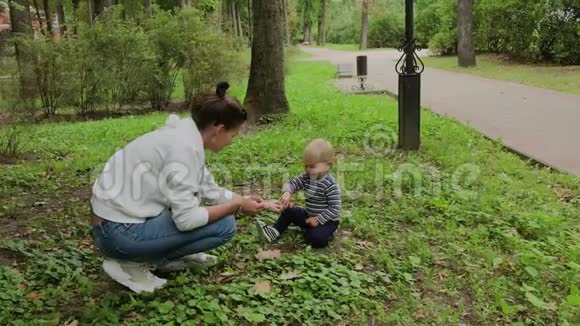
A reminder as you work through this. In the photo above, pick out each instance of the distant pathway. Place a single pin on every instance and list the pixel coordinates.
(538, 123)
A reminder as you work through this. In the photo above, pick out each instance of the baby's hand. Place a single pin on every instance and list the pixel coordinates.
(285, 200)
(273, 205)
(312, 221)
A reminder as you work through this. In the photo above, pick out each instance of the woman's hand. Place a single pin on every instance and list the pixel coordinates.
(251, 205)
(273, 205)
(285, 200)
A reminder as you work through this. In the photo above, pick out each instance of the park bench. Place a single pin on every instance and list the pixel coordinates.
(344, 70)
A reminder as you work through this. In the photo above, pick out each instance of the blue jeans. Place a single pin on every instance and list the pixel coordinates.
(158, 239)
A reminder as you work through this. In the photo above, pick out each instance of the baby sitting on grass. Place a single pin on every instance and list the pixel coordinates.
(321, 217)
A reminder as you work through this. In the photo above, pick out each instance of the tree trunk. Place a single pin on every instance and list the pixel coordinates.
(61, 18)
(250, 19)
(48, 17)
(149, 7)
(287, 39)
(465, 49)
(37, 9)
(21, 24)
(233, 17)
(307, 35)
(322, 24)
(239, 21)
(365, 25)
(307, 21)
(266, 93)
(75, 5)
(220, 14)
(91, 7)
(99, 7)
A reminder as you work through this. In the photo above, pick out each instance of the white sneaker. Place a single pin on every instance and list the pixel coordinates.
(201, 260)
(267, 232)
(135, 276)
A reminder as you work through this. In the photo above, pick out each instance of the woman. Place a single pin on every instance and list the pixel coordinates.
(147, 202)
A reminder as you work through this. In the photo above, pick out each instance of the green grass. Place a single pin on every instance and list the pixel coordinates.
(459, 232)
(563, 79)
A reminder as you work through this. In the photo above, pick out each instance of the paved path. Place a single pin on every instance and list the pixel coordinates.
(538, 123)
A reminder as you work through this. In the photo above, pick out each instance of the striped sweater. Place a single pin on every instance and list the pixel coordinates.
(322, 196)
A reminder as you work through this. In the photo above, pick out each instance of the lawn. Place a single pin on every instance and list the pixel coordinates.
(460, 232)
(563, 79)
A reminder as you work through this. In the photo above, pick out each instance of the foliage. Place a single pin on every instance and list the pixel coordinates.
(123, 60)
(461, 232)
(386, 32)
(533, 31)
(208, 56)
(10, 141)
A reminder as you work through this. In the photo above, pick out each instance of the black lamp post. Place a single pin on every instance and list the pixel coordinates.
(409, 67)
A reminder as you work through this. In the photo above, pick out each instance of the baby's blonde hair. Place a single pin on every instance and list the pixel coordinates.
(318, 151)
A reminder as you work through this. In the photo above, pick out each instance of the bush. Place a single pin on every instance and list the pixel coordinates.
(532, 31)
(121, 61)
(345, 29)
(167, 43)
(209, 56)
(445, 40)
(427, 22)
(10, 141)
(386, 32)
(48, 62)
(125, 58)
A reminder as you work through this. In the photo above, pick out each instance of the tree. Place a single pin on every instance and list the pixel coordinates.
(48, 17)
(61, 17)
(286, 15)
(322, 23)
(364, 31)
(21, 21)
(465, 49)
(266, 92)
(307, 10)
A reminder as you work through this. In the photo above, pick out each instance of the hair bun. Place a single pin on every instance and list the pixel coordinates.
(221, 88)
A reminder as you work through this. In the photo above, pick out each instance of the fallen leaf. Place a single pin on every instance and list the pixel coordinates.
(288, 276)
(228, 273)
(419, 314)
(134, 314)
(365, 244)
(359, 267)
(267, 254)
(263, 287)
(72, 323)
(221, 279)
(439, 263)
(34, 296)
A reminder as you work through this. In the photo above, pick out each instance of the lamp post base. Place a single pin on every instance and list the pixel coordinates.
(409, 111)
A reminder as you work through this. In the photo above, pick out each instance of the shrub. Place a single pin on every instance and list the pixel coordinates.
(386, 32)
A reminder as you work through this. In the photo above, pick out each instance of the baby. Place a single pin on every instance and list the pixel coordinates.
(321, 217)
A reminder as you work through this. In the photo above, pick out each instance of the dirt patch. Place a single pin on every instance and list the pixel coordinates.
(32, 214)
(17, 159)
(11, 258)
